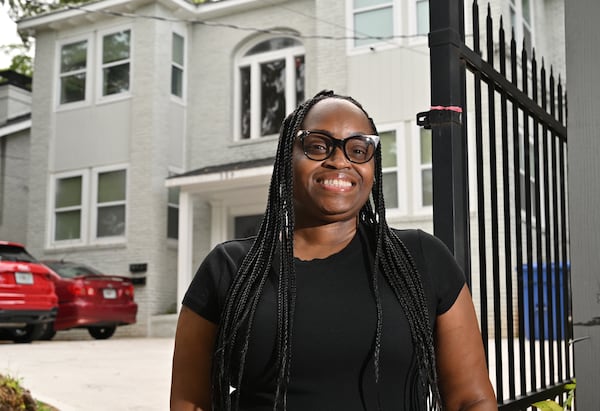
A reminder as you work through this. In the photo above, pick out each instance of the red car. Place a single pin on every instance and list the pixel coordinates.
(89, 299)
(27, 298)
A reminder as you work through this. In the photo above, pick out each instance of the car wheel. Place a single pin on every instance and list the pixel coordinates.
(28, 334)
(49, 332)
(102, 333)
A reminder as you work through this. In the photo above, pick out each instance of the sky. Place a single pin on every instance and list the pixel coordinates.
(8, 35)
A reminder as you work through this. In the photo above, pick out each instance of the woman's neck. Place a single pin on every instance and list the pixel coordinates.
(323, 240)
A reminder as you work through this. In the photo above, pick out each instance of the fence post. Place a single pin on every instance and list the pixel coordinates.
(449, 142)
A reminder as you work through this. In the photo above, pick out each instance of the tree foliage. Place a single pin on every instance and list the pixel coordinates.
(22, 62)
(19, 9)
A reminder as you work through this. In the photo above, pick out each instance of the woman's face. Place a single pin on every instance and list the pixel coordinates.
(333, 189)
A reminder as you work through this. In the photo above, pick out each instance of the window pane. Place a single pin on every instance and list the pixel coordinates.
(68, 192)
(116, 79)
(375, 23)
(299, 60)
(176, 81)
(277, 43)
(368, 3)
(68, 225)
(390, 189)
(73, 56)
(115, 47)
(177, 49)
(422, 16)
(427, 187)
(173, 222)
(245, 106)
(173, 195)
(111, 221)
(527, 39)
(247, 226)
(111, 186)
(526, 11)
(513, 17)
(72, 88)
(425, 146)
(389, 149)
(523, 187)
(272, 96)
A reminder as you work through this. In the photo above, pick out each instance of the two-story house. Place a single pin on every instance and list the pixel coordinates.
(155, 121)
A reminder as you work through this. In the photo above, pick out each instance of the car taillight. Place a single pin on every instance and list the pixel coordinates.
(7, 278)
(128, 291)
(79, 289)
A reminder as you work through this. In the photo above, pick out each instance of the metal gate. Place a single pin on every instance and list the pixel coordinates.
(500, 197)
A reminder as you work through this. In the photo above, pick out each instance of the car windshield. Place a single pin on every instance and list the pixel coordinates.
(70, 270)
(15, 253)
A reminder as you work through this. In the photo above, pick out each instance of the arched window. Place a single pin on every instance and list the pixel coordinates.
(269, 85)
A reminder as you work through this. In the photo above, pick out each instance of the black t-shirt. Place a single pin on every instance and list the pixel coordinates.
(334, 325)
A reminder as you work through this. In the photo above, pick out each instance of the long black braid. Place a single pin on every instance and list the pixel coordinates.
(272, 254)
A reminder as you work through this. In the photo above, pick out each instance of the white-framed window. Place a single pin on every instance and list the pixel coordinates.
(521, 19)
(269, 84)
(177, 64)
(88, 206)
(173, 213)
(107, 74)
(173, 209)
(69, 204)
(407, 169)
(110, 200)
(372, 19)
(527, 185)
(390, 167)
(422, 16)
(115, 63)
(425, 171)
(74, 78)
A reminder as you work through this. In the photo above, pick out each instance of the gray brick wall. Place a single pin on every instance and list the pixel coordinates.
(14, 156)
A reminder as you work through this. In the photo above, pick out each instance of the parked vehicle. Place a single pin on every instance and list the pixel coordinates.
(90, 299)
(27, 297)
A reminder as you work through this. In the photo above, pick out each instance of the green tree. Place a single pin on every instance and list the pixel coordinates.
(18, 9)
(22, 62)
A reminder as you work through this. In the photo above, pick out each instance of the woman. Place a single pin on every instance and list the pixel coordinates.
(328, 308)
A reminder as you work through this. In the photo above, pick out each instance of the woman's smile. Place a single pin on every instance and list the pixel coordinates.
(336, 183)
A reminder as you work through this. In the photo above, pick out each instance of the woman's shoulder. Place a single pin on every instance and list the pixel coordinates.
(442, 276)
(234, 248)
(225, 258)
(422, 240)
(207, 291)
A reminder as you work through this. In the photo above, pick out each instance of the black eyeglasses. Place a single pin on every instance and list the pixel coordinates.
(318, 146)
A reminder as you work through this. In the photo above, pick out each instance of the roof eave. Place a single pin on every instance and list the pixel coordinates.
(54, 19)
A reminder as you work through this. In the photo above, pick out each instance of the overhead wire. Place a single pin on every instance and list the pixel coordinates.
(232, 26)
(361, 36)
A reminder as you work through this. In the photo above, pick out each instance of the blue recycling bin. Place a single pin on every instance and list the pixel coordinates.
(555, 314)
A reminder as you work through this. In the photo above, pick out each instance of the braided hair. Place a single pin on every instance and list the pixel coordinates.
(272, 254)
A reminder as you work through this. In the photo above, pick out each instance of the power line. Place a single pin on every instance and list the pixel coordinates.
(289, 33)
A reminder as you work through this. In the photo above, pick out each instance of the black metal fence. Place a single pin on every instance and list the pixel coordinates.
(500, 197)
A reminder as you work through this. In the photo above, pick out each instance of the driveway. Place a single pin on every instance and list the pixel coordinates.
(74, 375)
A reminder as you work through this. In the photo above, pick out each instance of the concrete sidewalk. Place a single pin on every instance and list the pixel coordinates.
(74, 375)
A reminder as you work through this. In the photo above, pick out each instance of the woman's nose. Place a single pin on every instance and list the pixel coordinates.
(337, 159)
